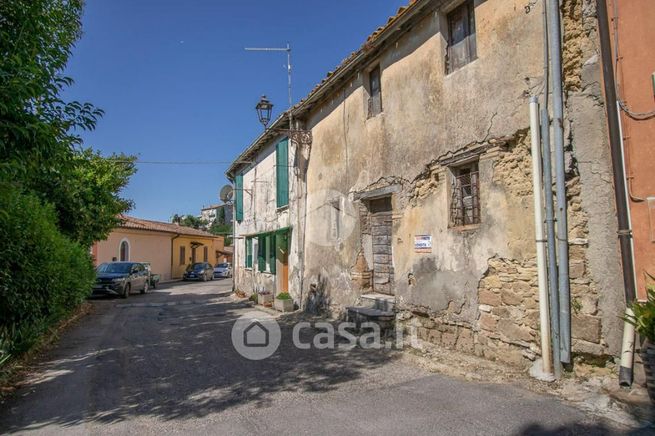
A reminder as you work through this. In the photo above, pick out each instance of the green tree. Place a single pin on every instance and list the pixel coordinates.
(189, 221)
(40, 146)
(56, 197)
(223, 230)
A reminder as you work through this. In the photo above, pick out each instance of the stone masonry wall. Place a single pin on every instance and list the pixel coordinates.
(507, 325)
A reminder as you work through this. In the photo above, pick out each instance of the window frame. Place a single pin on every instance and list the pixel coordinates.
(182, 253)
(374, 106)
(467, 7)
(459, 210)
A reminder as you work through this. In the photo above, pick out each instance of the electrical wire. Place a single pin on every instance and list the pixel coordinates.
(624, 107)
(171, 162)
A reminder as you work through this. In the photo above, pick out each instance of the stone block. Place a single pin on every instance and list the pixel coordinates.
(521, 287)
(484, 308)
(488, 322)
(434, 337)
(465, 341)
(577, 269)
(492, 282)
(585, 327)
(530, 303)
(501, 312)
(511, 298)
(489, 298)
(449, 339)
(513, 332)
(422, 333)
(532, 319)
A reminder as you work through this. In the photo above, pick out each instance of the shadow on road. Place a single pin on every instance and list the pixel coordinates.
(171, 361)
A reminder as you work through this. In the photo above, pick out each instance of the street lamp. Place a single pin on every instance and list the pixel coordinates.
(264, 109)
(299, 136)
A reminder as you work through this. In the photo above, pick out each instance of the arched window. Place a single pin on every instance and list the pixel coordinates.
(124, 254)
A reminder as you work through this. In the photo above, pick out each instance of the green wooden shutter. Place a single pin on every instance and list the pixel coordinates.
(248, 252)
(261, 253)
(282, 172)
(272, 253)
(238, 199)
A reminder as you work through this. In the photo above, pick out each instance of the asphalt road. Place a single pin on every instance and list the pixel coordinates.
(164, 363)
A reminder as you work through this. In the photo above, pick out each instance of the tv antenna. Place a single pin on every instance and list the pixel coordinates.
(286, 49)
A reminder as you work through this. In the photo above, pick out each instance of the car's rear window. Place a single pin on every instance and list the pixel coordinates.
(222, 265)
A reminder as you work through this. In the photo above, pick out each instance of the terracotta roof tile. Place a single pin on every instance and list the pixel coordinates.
(129, 222)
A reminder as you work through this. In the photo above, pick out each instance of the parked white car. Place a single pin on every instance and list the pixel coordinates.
(223, 270)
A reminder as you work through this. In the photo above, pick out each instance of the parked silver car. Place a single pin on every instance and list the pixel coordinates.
(223, 270)
(199, 271)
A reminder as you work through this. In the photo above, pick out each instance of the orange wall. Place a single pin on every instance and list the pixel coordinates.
(145, 246)
(213, 245)
(636, 49)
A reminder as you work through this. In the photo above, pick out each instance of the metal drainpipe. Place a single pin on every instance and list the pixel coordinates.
(620, 190)
(544, 317)
(555, 48)
(173, 254)
(550, 236)
(550, 215)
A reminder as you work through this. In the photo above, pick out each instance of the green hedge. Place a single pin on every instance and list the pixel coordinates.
(43, 274)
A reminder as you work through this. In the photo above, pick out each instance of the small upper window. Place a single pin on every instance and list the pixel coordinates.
(465, 198)
(375, 92)
(462, 47)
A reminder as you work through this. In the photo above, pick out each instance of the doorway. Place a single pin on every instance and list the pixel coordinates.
(282, 244)
(381, 227)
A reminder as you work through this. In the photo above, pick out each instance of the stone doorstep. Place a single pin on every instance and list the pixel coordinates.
(374, 300)
(374, 314)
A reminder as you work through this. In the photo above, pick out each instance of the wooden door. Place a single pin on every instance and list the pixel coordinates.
(381, 215)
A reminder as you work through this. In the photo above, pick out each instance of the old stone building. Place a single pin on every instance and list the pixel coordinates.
(265, 200)
(418, 180)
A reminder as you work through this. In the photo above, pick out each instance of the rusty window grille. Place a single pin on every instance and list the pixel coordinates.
(465, 199)
(375, 92)
(462, 45)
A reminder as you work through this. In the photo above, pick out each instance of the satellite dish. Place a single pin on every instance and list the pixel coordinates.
(226, 193)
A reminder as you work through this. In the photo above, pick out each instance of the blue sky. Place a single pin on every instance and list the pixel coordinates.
(176, 84)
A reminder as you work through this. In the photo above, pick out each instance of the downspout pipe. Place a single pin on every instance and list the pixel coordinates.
(550, 236)
(173, 254)
(544, 316)
(550, 213)
(620, 190)
(555, 48)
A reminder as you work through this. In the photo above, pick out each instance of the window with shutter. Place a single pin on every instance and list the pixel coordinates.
(462, 46)
(248, 252)
(282, 172)
(271, 253)
(238, 197)
(375, 92)
(261, 253)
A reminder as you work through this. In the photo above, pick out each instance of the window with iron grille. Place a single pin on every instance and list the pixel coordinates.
(375, 92)
(465, 198)
(462, 46)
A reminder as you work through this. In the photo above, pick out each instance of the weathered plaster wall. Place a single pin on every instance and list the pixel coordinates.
(431, 120)
(261, 215)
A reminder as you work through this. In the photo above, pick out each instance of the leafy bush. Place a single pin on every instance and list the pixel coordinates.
(644, 316)
(253, 298)
(283, 296)
(43, 274)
